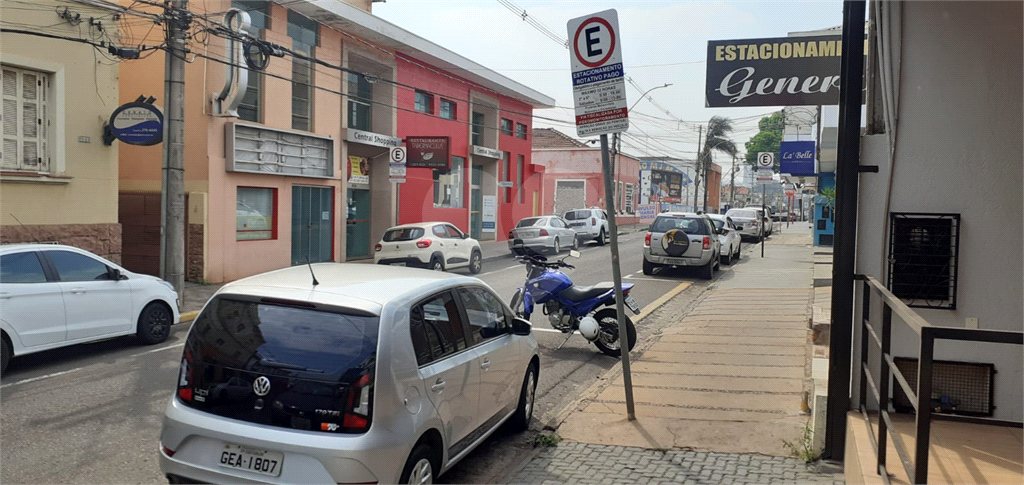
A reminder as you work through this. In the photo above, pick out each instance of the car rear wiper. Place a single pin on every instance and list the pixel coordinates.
(281, 365)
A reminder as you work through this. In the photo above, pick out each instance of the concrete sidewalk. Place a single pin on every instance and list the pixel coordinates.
(716, 393)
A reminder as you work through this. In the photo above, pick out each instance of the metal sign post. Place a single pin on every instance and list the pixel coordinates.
(599, 91)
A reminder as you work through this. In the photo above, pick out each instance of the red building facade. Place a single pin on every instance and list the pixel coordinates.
(491, 182)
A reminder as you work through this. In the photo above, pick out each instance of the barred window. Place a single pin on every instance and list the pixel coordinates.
(923, 257)
(629, 199)
(26, 120)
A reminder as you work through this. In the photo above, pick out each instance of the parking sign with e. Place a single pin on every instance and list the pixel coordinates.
(598, 81)
(765, 159)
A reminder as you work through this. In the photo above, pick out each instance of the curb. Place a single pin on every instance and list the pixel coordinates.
(188, 316)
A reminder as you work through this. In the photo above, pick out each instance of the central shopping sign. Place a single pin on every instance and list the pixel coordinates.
(598, 81)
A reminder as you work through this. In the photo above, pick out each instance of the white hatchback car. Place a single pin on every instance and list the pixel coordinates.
(729, 237)
(345, 373)
(434, 245)
(53, 296)
(590, 224)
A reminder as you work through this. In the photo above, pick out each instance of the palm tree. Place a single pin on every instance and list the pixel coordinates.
(716, 139)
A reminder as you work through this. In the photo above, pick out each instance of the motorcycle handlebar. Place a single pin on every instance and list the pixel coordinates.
(548, 264)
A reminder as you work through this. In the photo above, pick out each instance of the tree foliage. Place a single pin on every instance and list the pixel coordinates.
(768, 139)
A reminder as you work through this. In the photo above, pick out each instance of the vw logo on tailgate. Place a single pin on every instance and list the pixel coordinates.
(261, 386)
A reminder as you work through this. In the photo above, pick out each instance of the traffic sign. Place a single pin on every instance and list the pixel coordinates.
(764, 174)
(765, 159)
(396, 165)
(598, 81)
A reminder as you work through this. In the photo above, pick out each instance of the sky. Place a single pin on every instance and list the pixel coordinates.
(662, 42)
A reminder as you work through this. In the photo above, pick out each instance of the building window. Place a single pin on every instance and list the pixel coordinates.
(360, 95)
(448, 185)
(302, 89)
(447, 109)
(256, 214)
(259, 12)
(478, 128)
(520, 131)
(923, 255)
(519, 177)
(506, 126)
(424, 102)
(629, 198)
(249, 107)
(26, 120)
(305, 34)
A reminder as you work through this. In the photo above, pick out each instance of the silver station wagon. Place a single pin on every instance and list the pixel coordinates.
(345, 373)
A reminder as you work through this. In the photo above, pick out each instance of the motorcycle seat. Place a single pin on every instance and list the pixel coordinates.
(580, 293)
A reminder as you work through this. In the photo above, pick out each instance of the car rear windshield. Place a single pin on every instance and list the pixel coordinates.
(746, 214)
(310, 356)
(532, 221)
(403, 234)
(576, 215)
(718, 223)
(687, 225)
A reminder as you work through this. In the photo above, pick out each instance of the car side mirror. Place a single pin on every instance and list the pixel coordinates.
(114, 274)
(465, 236)
(574, 253)
(521, 326)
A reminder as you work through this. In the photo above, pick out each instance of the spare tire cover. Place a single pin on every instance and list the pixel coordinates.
(675, 242)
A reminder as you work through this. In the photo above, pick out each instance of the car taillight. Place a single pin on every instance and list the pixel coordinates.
(185, 377)
(359, 405)
(423, 243)
(377, 247)
(543, 232)
(707, 242)
(647, 240)
(510, 235)
(593, 221)
(167, 451)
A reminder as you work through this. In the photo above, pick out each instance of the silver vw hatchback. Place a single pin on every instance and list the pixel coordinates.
(359, 374)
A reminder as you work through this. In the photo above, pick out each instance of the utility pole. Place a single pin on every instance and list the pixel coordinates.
(697, 168)
(732, 184)
(172, 243)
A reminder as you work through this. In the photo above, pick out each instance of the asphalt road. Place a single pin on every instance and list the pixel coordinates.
(92, 413)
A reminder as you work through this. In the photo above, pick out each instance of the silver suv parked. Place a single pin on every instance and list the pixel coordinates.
(682, 239)
(359, 374)
(590, 224)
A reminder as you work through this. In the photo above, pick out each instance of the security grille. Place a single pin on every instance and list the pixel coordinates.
(569, 194)
(258, 149)
(923, 256)
(957, 387)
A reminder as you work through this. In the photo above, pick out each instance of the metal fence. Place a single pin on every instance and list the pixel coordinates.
(917, 470)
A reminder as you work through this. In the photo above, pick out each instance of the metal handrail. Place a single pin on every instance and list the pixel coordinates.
(921, 400)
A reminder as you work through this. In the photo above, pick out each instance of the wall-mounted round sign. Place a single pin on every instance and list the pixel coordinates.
(137, 124)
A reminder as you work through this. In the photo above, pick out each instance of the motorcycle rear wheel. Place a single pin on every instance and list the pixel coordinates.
(606, 318)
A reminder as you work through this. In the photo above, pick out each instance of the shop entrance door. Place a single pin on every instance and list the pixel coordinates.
(476, 201)
(357, 224)
(312, 223)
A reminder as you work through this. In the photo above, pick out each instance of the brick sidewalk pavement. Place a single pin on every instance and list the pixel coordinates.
(584, 463)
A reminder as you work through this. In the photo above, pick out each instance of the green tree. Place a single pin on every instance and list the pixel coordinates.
(768, 139)
(716, 138)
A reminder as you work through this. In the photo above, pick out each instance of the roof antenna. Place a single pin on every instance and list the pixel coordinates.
(315, 282)
(36, 238)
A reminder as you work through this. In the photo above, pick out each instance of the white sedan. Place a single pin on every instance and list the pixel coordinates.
(729, 237)
(433, 245)
(53, 296)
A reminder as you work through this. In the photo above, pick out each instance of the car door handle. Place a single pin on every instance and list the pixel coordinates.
(5, 296)
(438, 386)
(78, 291)
(485, 365)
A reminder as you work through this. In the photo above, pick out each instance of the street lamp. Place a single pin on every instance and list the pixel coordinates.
(645, 94)
(617, 140)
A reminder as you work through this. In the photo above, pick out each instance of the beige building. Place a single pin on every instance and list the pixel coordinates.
(58, 180)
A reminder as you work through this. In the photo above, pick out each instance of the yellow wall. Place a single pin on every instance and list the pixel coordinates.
(84, 185)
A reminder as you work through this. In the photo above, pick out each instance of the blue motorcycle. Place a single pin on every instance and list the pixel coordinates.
(569, 307)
